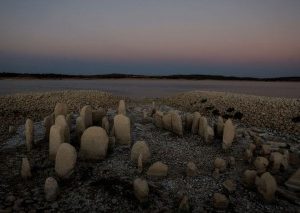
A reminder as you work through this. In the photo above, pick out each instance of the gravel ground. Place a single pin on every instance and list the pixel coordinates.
(106, 186)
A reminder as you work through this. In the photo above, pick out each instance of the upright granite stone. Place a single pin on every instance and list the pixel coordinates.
(65, 160)
(176, 123)
(121, 107)
(25, 169)
(29, 134)
(105, 124)
(202, 126)
(140, 147)
(80, 127)
(122, 129)
(267, 186)
(98, 115)
(60, 109)
(51, 189)
(209, 135)
(167, 121)
(188, 121)
(61, 121)
(248, 178)
(195, 124)
(86, 116)
(228, 134)
(94, 143)
(141, 189)
(157, 119)
(56, 138)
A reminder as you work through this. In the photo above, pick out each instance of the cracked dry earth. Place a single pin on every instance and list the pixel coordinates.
(106, 186)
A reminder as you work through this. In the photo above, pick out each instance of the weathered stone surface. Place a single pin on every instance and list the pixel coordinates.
(105, 124)
(220, 201)
(176, 124)
(220, 164)
(122, 107)
(157, 119)
(86, 116)
(209, 135)
(56, 138)
(167, 121)
(65, 160)
(79, 127)
(191, 169)
(188, 119)
(158, 169)
(202, 126)
(230, 185)
(266, 185)
(228, 134)
(48, 122)
(261, 164)
(220, 126)
(195, 124)
(29, 134)
(276, 159)
(61, 121)
(294, 181)
(249, 178)
(60, 109)
(51, 189)
(140, 147)
(141, 189)
(98, 115)
(94, 143)
(122, 129)
(25, 169)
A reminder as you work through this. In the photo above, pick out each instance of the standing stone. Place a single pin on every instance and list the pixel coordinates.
(191, 169)
(188, 121)
(86, 116)
(266, 185)
(98, 116)
(220, 201)
(195, 124)
(167, 121)
(122, 107)
(202, 126)
(48, 122)
(94, 143)
(105, 124)
(65, 160)
(122, 129)
(248, 178)
(209, 135)
(230, 185)
(228, 134)
(60, 120)
(51, 189)
(157, 118)
(261, 164)
(220, 164)
(60, 109)
(141, 189)
(79, 127)
(266, 149)
(220, 126)
(56, 138)
(158, 169)
(29, 134)
(26, 169)
(276, 159)
(176, 123)
(140, 148)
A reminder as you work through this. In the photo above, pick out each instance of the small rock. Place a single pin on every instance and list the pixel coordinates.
(51, 189)
(230, 185)
(228, 134)
(249, 178)
(26, 169)
(140, 147)
(220, 201)
(158, 169)
(266, 185)
(261, 164)
(141, 189)
(220, 164)
(191, 169)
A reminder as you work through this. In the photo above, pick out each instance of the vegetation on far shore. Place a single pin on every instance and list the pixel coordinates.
(4, 75)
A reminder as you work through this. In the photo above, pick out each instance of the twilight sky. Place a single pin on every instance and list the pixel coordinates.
(232, 37)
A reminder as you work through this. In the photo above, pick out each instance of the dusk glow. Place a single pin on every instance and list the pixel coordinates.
(245, 38)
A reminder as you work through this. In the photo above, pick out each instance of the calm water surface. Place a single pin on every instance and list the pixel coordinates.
(153, 88)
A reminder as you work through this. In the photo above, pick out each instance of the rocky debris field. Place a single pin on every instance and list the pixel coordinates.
(172, 170)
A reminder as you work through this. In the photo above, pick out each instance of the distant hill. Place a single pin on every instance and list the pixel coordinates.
(4, 75)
